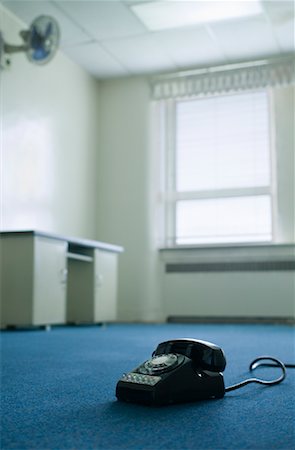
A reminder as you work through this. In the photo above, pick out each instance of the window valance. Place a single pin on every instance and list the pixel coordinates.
(222, 79)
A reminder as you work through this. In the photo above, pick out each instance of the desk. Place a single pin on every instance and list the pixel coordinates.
(53, 279)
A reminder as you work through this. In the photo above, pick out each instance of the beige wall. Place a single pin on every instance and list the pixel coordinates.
(49, 132)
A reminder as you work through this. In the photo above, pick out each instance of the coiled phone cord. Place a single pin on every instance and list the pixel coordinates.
(257, 363)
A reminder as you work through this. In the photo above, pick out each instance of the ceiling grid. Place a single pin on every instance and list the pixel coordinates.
(109, 40)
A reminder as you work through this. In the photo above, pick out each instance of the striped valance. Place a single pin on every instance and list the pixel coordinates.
(222, 79)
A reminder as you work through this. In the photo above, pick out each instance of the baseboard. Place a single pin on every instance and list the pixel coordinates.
(231, 320)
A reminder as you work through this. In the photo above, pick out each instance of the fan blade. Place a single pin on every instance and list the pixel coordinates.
(36, 38)
(48, 30)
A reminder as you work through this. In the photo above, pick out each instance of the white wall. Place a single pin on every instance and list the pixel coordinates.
(128, 197)
(265, 293)
(284, 142)
(48, 143)
(123, 194)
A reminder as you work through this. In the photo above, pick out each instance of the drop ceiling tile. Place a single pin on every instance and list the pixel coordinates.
(96, 60)
(190, 47)
(140, 54)
(285, 33)
(27, 11)
(246, 38)
(282, 17)
(279, 11)
(103, 19)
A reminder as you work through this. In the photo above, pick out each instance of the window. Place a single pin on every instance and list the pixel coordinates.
(218, 179)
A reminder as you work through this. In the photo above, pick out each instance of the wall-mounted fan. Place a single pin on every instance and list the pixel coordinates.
(41, 41)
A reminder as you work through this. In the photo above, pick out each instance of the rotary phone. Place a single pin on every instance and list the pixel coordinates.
(184, 370)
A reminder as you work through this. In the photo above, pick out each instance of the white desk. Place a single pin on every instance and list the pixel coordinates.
(52, 279)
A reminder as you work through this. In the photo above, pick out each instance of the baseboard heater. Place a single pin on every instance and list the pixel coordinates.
(231, 320)
(246, 266)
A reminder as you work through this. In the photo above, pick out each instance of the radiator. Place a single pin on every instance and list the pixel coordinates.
(246, 266)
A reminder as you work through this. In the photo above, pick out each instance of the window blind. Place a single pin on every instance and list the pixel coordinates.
(225, 78)
(222, 142)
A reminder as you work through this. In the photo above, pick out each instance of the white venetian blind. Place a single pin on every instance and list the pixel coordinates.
(223, 142)
(222, 169)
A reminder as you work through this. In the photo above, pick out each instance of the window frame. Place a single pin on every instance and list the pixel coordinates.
(171, 196)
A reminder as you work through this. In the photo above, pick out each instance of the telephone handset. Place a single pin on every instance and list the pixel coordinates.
(185, 370)
(179, 371)
(204, 354)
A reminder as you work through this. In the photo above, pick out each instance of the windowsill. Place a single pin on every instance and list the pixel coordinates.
(227, 246)
(233, 252)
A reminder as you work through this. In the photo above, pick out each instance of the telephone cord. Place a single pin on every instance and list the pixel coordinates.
(257, 363)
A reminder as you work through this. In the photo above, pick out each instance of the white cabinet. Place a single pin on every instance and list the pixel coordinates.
(50, 279)
(33, 280)
(105, 269)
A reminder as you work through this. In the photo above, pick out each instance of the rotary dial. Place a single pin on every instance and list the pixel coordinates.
(160, 363)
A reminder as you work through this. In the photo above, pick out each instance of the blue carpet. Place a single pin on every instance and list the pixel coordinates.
(58, 391)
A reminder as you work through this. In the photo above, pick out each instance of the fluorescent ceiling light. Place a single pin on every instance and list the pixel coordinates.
(164, 14)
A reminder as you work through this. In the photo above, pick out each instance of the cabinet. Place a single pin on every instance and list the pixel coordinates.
(105, 269)
(33, 280)
(51, 279)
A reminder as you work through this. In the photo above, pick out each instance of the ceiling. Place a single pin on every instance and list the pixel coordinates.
(108, 40)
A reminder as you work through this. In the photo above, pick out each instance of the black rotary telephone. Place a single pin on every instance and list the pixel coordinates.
(184, 370)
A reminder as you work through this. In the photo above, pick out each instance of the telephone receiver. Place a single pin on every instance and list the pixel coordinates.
(180, 370)
(204, 354)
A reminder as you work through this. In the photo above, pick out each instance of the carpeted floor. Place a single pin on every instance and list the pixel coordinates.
(58, 391)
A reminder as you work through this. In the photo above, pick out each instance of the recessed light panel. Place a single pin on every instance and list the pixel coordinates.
(161, 15)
